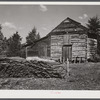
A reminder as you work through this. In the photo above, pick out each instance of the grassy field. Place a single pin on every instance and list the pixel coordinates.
(84, 76)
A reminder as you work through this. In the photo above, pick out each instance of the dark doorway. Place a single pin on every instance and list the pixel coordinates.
(67, 52)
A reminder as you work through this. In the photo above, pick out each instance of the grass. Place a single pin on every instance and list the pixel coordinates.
(84, 76)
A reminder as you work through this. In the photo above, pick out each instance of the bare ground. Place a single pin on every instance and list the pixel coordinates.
(82, 77)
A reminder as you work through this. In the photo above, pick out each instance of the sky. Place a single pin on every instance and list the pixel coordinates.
(23, 18)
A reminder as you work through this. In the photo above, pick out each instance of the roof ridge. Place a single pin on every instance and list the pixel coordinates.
(73, 20)
(62, 22)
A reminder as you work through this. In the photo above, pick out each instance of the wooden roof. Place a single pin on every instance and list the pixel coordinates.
(68, 25)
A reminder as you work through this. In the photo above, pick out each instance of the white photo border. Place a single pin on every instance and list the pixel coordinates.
(65, 94)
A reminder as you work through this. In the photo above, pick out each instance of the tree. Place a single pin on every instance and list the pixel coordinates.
(4, 45)
(94, 28)
(32, 36)
(1, 34)
(14, 45)
(1, 40)
(38, 36)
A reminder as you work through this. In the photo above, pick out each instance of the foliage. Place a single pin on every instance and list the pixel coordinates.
(14, 45)
(2, 42)
(32, 36)
(38, 36)
(23, 52)
(94, 58)
(93, 25)
(4, 46)
(94, 28)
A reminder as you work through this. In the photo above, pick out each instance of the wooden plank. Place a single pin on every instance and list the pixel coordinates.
(83, 44)
(78, 48)
(67, 39)
(78, 40)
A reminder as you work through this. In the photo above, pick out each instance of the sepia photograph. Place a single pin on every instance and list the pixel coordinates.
(49, 47)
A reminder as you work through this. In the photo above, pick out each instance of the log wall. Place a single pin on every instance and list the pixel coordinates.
(77, 41)
(91, 47)
(79, 45)
(56, 46)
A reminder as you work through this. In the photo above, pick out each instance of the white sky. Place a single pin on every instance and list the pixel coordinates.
(23, 18)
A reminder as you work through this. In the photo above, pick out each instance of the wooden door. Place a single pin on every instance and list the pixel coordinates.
(67, 52)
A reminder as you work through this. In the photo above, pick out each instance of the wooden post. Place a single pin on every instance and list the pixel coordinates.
(63, 60)
(68, 67)
(79, 59)
(26, 52)
(60, 60)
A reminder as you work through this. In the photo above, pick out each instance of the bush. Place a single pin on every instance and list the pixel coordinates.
(94, 58)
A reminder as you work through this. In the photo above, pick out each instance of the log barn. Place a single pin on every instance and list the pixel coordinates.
(69, 40)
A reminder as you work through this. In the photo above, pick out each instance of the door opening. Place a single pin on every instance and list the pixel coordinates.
(66, 53)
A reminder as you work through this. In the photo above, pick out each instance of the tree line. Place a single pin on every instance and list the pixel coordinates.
(13, 47)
